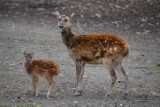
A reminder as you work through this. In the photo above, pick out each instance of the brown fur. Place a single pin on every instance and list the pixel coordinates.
(37, 68)
(95, 46)
(109, 49)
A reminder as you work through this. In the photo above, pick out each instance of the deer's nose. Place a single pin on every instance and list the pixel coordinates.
(60, 27)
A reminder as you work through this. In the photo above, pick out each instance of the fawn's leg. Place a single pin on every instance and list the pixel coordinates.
(51, 84)
(35, 84)
(79, 75)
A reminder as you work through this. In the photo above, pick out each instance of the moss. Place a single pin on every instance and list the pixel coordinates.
(156, 67)
(4, 106)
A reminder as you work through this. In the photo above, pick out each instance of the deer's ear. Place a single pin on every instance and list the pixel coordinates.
(72, 15)
(56, 13)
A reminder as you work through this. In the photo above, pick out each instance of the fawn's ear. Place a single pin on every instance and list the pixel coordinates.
(32, 53)
(56, 13)
(24, 52)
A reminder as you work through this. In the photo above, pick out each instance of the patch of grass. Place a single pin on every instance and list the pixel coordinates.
(28, 105)
(157, 67)
(4, 106)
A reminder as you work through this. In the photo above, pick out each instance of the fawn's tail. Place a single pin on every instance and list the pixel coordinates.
(56, 70)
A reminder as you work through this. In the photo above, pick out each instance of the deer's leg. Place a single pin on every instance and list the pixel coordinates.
(35, 84)
(120, 66)
(79, 76)
(51, 84)
(110, 66)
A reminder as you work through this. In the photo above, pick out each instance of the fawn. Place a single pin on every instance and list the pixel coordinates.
(108, 49)
(37, 68)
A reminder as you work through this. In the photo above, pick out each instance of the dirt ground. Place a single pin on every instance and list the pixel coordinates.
(30, 25)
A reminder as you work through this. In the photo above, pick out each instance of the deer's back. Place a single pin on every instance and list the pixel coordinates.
(103, 40)
(95, 46)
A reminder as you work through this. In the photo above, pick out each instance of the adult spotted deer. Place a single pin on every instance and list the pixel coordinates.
(37, 68)
(108, 49)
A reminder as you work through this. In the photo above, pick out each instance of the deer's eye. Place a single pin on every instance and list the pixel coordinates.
(59, 19)
(65, 20)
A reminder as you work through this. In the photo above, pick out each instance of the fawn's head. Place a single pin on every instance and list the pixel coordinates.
(28, 56)
(63, 20)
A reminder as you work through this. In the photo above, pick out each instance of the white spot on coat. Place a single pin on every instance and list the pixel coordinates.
(115, 48)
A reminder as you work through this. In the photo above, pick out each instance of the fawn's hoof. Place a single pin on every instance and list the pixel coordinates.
(49, 98)
(126, 93)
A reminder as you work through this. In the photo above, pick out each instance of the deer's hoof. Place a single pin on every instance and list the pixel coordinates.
(77, 93)
(108, 94)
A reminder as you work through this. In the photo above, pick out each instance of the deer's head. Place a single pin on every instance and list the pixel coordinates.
(63, 20)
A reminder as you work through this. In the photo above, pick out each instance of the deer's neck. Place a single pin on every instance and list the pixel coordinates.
(67, 36)
(28, 67)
